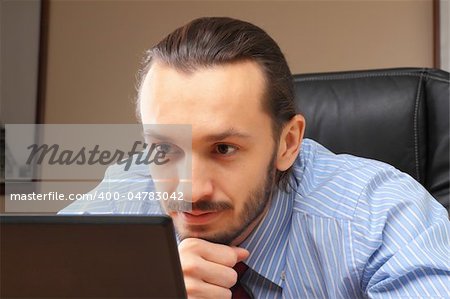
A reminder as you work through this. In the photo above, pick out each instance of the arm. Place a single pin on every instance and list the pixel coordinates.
(86, 206)
(406, 234)
(117, 194)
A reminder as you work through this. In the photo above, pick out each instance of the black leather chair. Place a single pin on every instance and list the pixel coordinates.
(399, 116)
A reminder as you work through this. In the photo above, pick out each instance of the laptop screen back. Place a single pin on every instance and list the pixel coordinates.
(89, 257)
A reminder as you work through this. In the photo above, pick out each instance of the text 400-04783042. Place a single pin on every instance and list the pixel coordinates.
(141, 195)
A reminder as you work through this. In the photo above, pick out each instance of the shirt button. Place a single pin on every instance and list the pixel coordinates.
(283, 275)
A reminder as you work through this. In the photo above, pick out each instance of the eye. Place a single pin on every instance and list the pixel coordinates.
(225, 149)
(168, 149)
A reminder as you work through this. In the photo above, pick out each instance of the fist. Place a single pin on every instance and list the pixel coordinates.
(208, 268)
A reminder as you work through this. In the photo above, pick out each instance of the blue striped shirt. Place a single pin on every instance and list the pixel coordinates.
(348, 228)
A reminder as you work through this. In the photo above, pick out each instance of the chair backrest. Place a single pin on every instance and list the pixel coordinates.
(399, 116)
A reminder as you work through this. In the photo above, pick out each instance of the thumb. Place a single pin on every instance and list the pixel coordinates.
(242, 254)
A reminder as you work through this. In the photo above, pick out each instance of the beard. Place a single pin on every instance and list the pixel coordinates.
(255, 204)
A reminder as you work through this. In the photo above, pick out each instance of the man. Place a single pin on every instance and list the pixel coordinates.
(306, 222)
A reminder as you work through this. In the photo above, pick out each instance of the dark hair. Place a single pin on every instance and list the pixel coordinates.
(210, 41)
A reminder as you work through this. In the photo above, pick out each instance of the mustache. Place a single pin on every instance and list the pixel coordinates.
(203, 205)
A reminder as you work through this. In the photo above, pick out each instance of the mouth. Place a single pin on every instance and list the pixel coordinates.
(199, 217)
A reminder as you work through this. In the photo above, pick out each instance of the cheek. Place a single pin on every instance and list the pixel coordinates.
(249, 176)
(240, 182)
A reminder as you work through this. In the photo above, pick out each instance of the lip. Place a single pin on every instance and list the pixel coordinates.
(198, 218)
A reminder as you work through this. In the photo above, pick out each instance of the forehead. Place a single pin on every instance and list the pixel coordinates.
(215, 97)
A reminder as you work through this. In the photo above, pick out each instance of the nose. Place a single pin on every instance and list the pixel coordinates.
(199, 186)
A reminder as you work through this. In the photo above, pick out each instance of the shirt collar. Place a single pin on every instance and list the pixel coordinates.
(268, 243)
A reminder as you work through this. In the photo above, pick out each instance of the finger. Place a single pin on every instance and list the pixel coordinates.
(199, 268)
(217, 253)
(241, 253)
(223, 254)
(197, 289)
(219, 275)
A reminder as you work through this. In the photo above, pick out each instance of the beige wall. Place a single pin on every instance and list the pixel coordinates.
(95, 47)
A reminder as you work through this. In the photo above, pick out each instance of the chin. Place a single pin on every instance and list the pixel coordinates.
(215, 236)
(184, 234)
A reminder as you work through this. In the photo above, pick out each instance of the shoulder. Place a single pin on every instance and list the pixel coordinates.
(349, 187)
(383, 222)
(127, 171)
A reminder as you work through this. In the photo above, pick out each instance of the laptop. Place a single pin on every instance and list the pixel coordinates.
(89, 257)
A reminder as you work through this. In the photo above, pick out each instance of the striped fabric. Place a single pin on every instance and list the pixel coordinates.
(348, 228)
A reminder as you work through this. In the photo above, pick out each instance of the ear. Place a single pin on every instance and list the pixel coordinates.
(290, 141)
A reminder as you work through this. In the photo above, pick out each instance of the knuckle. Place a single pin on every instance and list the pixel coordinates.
(192, 289)
(227, 293)
(188, 244)
(231, 278)
(228, 257)
(190, 268)
(230, 260)
(234, 277)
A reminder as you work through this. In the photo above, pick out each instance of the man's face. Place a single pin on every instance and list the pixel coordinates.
(231, 154)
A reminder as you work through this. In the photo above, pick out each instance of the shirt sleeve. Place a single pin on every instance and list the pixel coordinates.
(401, 238)
(120, 192)
(92, 202)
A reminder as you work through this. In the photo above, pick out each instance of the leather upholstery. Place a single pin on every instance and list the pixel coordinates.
(399, 116)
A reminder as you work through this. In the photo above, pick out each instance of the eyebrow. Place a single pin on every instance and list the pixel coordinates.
(155, 135)
(231, 132)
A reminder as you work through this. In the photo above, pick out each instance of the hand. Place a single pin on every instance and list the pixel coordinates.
(208, 268)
